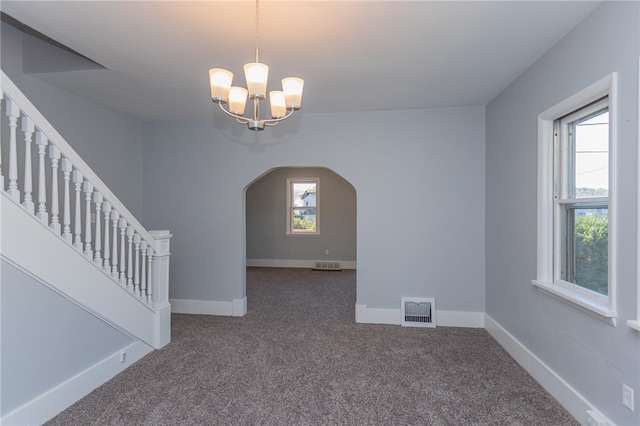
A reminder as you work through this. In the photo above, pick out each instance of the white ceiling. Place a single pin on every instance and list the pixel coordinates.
(353, 55)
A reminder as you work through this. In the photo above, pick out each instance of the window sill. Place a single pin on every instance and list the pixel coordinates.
(579, 301)
(634, 324)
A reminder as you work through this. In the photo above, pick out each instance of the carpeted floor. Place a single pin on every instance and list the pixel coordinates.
(299, 358)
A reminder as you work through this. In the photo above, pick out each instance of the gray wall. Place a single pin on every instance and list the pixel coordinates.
(266, 213)
(108, 141)
(593, 357)
(46, 339)
(418, 175)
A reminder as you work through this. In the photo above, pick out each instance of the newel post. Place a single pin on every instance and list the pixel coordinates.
(159, 281)
(160, 269)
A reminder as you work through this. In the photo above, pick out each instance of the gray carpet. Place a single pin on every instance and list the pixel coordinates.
(299, 358)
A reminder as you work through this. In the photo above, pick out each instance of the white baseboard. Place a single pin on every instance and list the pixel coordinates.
(443, 318)
(460, 319)
(361, 314)
(201, 307)
(569, 398)
(52, 402)
(235, 307)
(239, 308)
(295, 263)
(366, 315)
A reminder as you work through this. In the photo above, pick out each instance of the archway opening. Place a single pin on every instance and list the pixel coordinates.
(275, 214)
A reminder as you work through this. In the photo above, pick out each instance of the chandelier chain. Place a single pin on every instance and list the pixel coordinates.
(257, 30)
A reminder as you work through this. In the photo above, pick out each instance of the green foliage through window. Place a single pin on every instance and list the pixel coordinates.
(307, 223)
(591, 252)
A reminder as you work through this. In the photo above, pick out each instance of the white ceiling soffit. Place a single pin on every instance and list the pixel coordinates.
(353, 55)
(43, 54)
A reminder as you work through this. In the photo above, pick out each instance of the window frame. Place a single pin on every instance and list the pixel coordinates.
(564, 197)
(290, 207)
(548, 252)
(635, 324)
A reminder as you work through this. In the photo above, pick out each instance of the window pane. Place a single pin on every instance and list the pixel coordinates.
(586, 248)
(304, 194)
(591, 144)
(304, 220)
(302, 206)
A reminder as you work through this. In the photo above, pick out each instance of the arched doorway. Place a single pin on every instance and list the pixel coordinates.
(268, 240)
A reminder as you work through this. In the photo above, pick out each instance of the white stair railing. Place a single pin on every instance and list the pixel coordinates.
(98, 224)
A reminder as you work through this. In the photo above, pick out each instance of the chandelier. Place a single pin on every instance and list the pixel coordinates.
(283, 102)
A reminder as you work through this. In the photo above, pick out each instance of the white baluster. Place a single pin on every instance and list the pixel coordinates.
(13, 111)
(106, 208)
(27, 128)
(143, 270)
(42, 141)
(136, 256)
(149, 260)
(54, 155)
(123, 266)
(97, 199)
(77, 218)
(115, 216)
(130, 258)
(88, 191)
(67, 168)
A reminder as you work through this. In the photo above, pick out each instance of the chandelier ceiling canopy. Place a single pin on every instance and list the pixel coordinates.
(283, 102)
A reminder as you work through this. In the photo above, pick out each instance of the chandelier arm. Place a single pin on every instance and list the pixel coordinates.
(274, 121)
(239, 118)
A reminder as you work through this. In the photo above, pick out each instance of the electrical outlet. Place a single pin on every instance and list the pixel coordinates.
(627, 397)
(326, 251)
(123, 357)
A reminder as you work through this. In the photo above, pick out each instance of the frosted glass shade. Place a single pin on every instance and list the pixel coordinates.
(278, 106)
(292, 87)
(220, 80)
(256, 75)
(237, 99)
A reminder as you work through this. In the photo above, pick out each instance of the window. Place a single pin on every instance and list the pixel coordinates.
(635, 324)
(581, 197)
(303, 201)
(576, 200)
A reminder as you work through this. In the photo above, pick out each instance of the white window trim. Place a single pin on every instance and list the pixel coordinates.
(600, 306)
(290, 232)
(635, 324)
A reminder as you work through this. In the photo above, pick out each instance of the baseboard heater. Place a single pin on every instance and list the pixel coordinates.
(327, 266)
(418, 312)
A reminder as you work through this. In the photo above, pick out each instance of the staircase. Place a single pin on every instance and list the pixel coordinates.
(64, 229)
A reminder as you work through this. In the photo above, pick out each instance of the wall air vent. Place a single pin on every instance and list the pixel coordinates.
(418, 312)
(327, 266)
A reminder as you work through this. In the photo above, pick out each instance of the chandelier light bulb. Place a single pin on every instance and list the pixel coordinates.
(292, 88)
(256, 75)
(278, 105)
(237, 100)
(220, 81)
